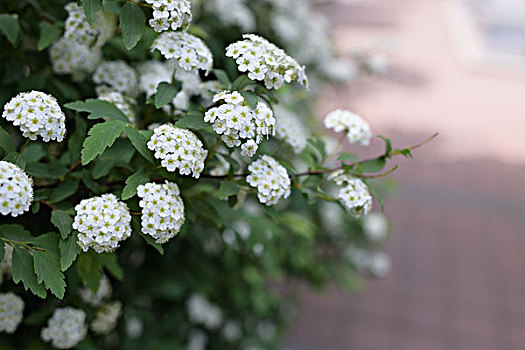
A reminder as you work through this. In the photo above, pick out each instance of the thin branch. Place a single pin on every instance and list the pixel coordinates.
(48, 204)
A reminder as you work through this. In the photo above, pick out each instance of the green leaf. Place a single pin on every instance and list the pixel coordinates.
(193, 121)
(140, 142)
(45, 170)
(110, 263)
(223, 78)
(388, 146)
(133, 182)
(91, 7)
(6, 141)
(23, 270)
(132, 22)
(48, 35)
(2, 251)
(69, 250)
(64, 190)
(251, 98)
(374, 165)
(47, 264)
(62, 221)
(348, 157)
(100, 137)
(74, 142)
(16, 159)
(10, 26)
(98, 109)
(15, 232)
(227, 189)
(166, 92)
(149, 240)
(377, 196)
(89, 269)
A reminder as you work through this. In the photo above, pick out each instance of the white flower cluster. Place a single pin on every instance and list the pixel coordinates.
(188, 51)
(36, 114)
(197, 340)
(235, 12)
(6, 265)
(152, 73)
(102, 222)
(162, 210)
(16, 190)
(290, 129)
(95, 299)
(231, 331)
(170, 14)
(121, 102)
(270, 179)
(78, 29)
(178, 149)
(266, 62)
(192, 85)
(116, 76)
(375, 227)
(356, 128)
(106, 319)
(354, 195)
(66, 328)
(68, 57)
(11, 312)
(376, 264)
(202, 311)
(238, 123)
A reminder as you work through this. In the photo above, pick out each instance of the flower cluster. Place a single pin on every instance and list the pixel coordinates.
(192, 85)
(290, 129)
(121, 102)
(266, 62)
(170, 14)
(162, 210)
(151, 74)
(16, 190)
(238, 123)
(356, 128)
(95, 299)
(375, 227)
(106, 319)
(202, 311)
(188, 51)
(102, 222)
(11, 312)
(116, 76)
(68, 57)
(66, 328)
(6, 265)
(354, 195)
(36, 114)
(78, 29)
(178, 149)
(235, 12)
(270, 179)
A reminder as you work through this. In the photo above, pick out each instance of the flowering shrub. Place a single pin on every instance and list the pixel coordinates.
(161, 171)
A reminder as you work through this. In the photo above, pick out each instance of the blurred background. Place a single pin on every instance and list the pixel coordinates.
(458, 216)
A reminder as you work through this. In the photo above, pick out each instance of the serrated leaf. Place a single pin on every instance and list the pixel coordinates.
(133, 182)
(23, 270)
(89, 269)
(166, 92)
(48, 35)
(10, 26)
(16, 159)
(227, 189)
(132, 22)
(62, 221)
(98, 109)
(140, 142)
(69, 250)
(100, 137)
(91, 7)
(193, 121)
(251, 98)
(47, 264)
(6, 141)
(64, 190)
(223, 78)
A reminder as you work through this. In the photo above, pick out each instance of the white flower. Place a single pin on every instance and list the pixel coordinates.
(106, 319)
(121, 102)
(134, 327)
(266, 62)
(11, 312)
(95, 299)
(66, 328)
(102, 222)
(152, 73)
(78, 29)
(290, 129)
(16, 190)
(202, 311)
(238, 123)
(235, 12)
(170, 14)
(162, 210)
(188, 51)
(116, 76)
(221, 169)
(376, 264)
(270, 179)
(197, 340)
(354, 195)
(6, 265)
(231, 331)
(178, 149)
(68, 57)
(375, 227)
(356, 128)
(36, 114)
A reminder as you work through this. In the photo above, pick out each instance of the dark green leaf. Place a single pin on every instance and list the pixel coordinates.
(75, 141)
(110, 263)
(45, 170)
(149, 240)
(6, 141)
(23, 270)
(90, 270)
(166, 92)
(2, 251)
(48, 35)
(10, 26)
(98, 109)
(34, 152)
(62, 221)
(100, 137)
(69, 250)
(15, 232)
(251, 98)
(132, 22)
(91, 7)
(47, 264)
(193, 121)
(140, 142)
(64, 190)
(132, 182)
(16, 159)
(227, 189)
(223, 78)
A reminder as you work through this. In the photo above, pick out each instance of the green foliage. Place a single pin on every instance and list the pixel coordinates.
(10, 27)
(48, 35)
(132, 182)
(100, 137)
(98, 109)
(132, 22)
(166, 92)
(62, 221)
(91, 8)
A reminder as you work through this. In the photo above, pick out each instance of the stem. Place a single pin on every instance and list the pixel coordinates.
(24, 147)
(48, 204)
(214, 149)
(240, 83)
(336, 149)
(27, 245)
